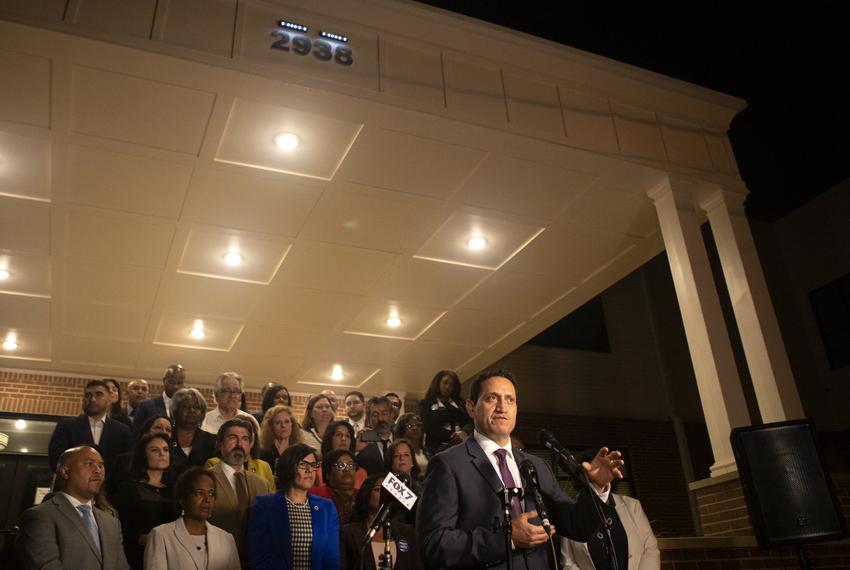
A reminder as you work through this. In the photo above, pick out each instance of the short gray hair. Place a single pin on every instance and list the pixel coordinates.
(219, 382)
(184, 394)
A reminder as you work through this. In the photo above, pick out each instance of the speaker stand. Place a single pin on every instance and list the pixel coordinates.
(805, 561)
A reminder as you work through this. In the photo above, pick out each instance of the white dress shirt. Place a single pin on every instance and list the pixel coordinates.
(167, 401)
(214, 420)
(489, 446)
(96, 426)
(76, 503)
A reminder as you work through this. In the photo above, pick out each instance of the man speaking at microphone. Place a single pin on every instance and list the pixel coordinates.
(460, 507)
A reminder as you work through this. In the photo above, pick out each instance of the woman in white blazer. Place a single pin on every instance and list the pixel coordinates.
(642, 552)
(190, 542)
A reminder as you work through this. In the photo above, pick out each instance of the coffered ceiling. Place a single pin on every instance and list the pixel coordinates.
(126, 178)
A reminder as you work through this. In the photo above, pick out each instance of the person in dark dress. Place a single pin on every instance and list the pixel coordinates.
(190, 445)
(443, 413)
(145, 500)
(403, 545)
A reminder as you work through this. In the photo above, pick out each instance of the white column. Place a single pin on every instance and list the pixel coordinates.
(720, 391)
(770, 370)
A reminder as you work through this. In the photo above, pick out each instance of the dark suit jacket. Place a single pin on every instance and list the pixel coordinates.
(71, 432)
(53, 535)
(351, 537)
(147, 409)
(203, 447)
(269, 534)
(459, 508)
(371, 460)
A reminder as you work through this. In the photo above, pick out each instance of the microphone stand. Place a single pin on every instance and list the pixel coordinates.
(506, 494)
(387, 557)
(569, 463)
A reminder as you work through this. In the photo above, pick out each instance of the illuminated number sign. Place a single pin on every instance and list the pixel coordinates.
(325, 46)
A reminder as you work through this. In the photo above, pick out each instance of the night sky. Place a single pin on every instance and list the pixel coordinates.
(791, 65)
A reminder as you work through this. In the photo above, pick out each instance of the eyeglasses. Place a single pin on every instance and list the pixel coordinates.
(231, 392)
(350, 466)
(307, 467)
(413, 425)
(201, 493)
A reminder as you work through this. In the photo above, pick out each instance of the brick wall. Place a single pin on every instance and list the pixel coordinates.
(823, 557)
(32, 393)
(722, 507)
(655, 466)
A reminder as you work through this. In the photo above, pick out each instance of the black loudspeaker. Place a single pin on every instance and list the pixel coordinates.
(788, 490)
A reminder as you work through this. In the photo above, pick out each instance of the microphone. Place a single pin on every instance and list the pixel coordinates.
(532, 486)
(387, 508)
(565, 457)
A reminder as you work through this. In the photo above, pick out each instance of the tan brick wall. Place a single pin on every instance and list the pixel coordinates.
(824, 557)
(723, 510)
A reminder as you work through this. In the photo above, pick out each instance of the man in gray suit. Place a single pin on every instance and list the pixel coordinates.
(66, 531)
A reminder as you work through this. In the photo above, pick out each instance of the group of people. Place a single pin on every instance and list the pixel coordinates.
(163, 483)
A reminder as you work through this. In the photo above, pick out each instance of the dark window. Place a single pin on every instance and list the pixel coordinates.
(624, 486)
(583, 329)
(831, 305)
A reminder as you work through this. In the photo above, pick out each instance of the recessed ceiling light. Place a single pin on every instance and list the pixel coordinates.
(24, 450)
(10, 344)
(393, 322)
(477, 243)
(20, 424)
(4, 274)
(287, 141)
(233, 258)
(197, 333)
(336, 373)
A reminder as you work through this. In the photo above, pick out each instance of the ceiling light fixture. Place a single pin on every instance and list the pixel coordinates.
(20, 424)
(477, 243)
(336, 373)
(394, 322)
(287, 141)
(198, 331)
(10, 344)
(4, 274)
(24, 450)
(233, 258)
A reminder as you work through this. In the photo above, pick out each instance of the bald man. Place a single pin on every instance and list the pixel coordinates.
(66, 530)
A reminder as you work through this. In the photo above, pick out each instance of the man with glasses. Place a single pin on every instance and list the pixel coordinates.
(228, 395)
(236, 487)
(174, 379)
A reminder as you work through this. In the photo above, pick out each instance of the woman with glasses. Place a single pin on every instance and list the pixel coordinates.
(409, 427)
(338, 470)
(293, 529)
(340, 435)
(402, 542)
(278, 432)
(145, 500)
(190, 542)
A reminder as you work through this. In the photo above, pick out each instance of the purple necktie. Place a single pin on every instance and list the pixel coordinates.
(507, 478)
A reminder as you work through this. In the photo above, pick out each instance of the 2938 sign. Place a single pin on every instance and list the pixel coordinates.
(303, 45)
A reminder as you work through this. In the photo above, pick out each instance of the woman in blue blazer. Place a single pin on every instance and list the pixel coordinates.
(292, 529)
